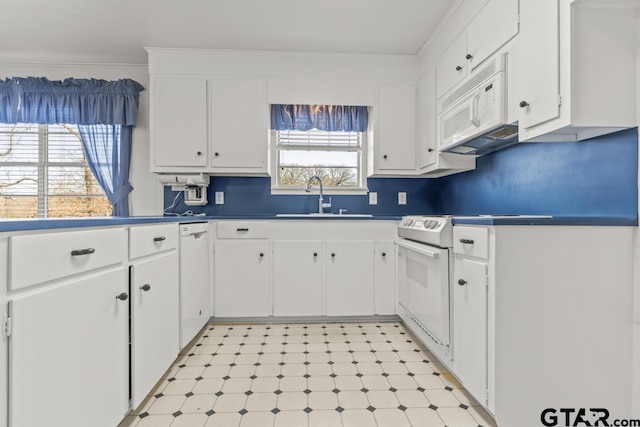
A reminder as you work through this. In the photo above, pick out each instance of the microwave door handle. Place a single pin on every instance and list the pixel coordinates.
(474, 109)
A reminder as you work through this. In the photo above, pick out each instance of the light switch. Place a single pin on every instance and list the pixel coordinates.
(402, 198)
(373, 198)
(219, 198)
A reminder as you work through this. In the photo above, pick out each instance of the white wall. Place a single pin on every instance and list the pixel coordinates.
(146, 198)
(635, 395)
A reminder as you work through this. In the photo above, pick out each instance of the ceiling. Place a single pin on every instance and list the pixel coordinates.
(116, 31)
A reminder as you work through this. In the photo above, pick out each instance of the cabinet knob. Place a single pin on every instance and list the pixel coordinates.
(458, 68)
(199, 153)
(462, 282)
(261, 255)
(122, 297)
(524, 104)
(384, 254)
(146, 287)
(385, 157)
(333, 255)
(315, 254)
(466, 241)
(430, 150)
(469, 56)
(216, 154)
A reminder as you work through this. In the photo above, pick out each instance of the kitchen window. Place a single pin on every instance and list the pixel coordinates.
(326, 141)
(44, 173)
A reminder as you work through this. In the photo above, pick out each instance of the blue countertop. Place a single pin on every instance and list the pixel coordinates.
(7, 225)
(542, 220)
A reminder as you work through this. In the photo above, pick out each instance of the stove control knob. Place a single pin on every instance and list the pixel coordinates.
(435, 224)
(427, 224)
(408, 222)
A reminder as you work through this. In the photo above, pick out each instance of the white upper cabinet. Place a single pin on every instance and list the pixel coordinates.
(574, 69)
(178, 123)
(490, 29)
(239, 126)
(394, 139)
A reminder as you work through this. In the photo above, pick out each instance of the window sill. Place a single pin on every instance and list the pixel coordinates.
(326, 192)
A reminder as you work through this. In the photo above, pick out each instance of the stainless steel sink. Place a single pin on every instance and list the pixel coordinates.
(324, 215)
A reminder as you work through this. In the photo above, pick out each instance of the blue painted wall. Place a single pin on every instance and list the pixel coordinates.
(593, 178)
(252, 196)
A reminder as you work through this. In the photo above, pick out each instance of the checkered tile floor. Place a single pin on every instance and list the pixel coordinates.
(325, 375)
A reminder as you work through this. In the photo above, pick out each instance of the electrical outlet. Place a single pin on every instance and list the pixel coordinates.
(402, 198)
(373, 198)
(219, 198)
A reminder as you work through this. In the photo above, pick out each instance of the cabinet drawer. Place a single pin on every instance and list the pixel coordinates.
(471, 241)
(38, 258)
(243, 230)
(152, 239)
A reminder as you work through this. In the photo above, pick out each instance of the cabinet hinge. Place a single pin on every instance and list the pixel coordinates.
(6, 326)
(559, 100)
(486, 395)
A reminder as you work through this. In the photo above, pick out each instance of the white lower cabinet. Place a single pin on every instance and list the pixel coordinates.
(297, 278)
(242, 278)
(384, 280)
(350, 278)
(470, 325)
(68, 353)
(154, 321)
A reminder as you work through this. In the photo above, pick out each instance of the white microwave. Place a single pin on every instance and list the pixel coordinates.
(473, 115)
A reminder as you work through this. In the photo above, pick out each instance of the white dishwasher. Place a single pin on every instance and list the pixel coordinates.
(195, 279)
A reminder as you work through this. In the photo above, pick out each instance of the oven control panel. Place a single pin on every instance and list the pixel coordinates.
(435, 230)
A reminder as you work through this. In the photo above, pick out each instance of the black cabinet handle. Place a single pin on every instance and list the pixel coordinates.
(384, 254)
(261, 255)
(216, 154)
(79, 252)
(524, 104)
(122, 297)
(315, 254)
(458, 68)
(159, 239)
(243, 230)
(430, 150)
(469, 56)
(466, 241)
(385, 157)
(199, 153)
(146, 287)
(462, 282)
(333, 255)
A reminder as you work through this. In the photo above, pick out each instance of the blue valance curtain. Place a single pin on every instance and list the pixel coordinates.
(105, 112)
(344, 118)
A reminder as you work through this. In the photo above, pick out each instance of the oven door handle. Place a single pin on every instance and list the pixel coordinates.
(421, 249)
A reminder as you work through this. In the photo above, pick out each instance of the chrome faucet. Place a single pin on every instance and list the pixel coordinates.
(321, 205)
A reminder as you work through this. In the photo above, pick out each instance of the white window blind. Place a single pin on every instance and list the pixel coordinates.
(44, 173)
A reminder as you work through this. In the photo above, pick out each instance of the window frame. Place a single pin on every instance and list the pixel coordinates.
(360, 189)
(42, 166)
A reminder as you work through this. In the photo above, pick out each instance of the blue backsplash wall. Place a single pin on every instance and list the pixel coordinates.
(252, 195)
(593, 178)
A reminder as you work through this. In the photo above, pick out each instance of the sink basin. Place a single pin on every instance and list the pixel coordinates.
(324, 215)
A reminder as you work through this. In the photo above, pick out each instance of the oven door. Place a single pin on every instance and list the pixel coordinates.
(423, 286)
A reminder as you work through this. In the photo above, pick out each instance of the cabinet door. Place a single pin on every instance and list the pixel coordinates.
(495, 25)
(470, 325)
(350, 282)
(395, 140)
(385, 269)
(242, 271)
(179, 122)
(427, 134)
(297, 278)
(154, 308)
(451, 67)
(195, 285)
(537, 65)
(68, 354)
(239, 125)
